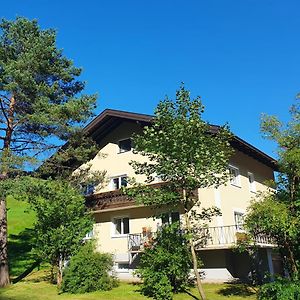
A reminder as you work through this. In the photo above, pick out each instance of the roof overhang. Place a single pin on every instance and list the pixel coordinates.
(110, 119)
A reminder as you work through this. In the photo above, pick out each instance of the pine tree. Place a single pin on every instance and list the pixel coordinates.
(41, 105)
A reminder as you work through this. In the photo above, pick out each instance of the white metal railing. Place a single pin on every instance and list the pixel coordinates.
(211, 236)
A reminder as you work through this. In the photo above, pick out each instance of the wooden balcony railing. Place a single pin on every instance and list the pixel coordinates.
(213, 237)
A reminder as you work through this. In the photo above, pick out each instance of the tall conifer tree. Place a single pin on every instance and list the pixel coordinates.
(41, 104)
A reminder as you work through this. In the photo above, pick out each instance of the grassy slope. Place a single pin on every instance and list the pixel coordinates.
(20, 223)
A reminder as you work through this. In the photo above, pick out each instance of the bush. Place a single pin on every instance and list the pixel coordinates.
(88, 271)
(165, 265)
(281, 289)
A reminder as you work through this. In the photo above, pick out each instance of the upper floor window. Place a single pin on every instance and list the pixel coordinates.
(124, 145)
(251, 182)
(118, 182)
(120, 226)
(239, 220)
(170, 218)
(88, 189)
(234, 176)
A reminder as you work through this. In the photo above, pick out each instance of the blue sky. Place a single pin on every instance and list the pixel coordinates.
(242, 57)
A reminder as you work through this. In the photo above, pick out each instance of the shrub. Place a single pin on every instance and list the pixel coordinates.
(88, 271)
(165, 265)
(281, 289)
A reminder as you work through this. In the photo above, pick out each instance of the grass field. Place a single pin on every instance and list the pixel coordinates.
(20, 234)
(35, 287)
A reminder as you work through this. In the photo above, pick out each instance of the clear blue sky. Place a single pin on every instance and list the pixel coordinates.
(242, 56)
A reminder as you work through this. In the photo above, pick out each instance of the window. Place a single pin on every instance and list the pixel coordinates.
(239, 220)
(88, 189)
(123, 266)
(169, 218)
(234, 176)
(124, 145)
(118, 182)
(89, 235)
(121, 226)
(251, 182)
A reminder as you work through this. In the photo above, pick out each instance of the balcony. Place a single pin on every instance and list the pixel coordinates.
(219, 237)
(228, 236)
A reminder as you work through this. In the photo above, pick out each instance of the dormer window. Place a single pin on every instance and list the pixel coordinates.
(124, 145)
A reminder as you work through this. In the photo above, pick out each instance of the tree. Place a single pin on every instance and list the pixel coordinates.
(89, 271)
(165, 263)
(277, 212)
(41, 104)
(62, 219)
(187, 153)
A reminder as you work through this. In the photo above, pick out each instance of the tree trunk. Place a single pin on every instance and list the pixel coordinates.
(4, 273)
(59, 272)
(195, 266)
(193, 252)
(291, 259)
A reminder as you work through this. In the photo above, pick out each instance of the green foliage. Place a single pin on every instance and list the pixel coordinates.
(281, 289)
(61, 216)
(88, 271)
(270, 217)
(62, 220)
(182, 148)
(40, 95)
(186, 153)
(165, 265)
(277, 212)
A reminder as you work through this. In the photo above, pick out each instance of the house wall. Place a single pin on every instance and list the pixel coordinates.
(116, 163)
(107, 241)
(228, 198)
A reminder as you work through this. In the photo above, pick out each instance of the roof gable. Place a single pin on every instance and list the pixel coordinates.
(110, 119)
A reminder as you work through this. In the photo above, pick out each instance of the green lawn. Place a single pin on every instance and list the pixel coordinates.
(20, 234)
(35, 288)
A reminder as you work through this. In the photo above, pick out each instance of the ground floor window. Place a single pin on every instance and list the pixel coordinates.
(121, 225)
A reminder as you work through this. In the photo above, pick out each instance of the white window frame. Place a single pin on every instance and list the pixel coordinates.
(236, 180)
(113, 226)
(124, 151)
(240, 212)
(89, 235)
(251, 180)
(120, 181)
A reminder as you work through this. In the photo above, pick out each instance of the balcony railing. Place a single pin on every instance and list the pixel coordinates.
(213, 237)
(229, 236)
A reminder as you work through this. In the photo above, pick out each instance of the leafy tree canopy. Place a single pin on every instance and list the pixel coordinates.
(186, 153)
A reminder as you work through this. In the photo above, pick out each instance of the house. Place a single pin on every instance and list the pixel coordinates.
(122, 227)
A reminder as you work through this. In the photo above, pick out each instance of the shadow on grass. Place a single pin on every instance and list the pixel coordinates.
(191, 295)
(242, 290)
(19, 252)
(139, 290)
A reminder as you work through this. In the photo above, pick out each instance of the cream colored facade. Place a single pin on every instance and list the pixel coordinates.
(230, 198)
